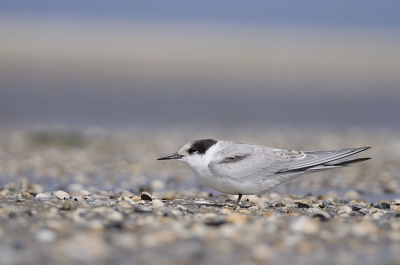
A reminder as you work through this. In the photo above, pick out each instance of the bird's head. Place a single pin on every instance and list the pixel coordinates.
(191, 151)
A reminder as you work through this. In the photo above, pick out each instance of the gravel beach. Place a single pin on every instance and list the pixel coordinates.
(98, 196)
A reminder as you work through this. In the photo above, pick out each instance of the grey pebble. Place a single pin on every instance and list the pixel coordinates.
(98, 202)
(142, 209)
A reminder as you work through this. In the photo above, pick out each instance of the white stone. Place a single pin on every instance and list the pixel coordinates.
(42, 196)
(157, 203)
(62, 195)
(305, 225)
(252, 198)
(352, 195)
(75, 187)
(157, 185)
(84, 193)
(45, 236)
(344, 209)
(114, 216)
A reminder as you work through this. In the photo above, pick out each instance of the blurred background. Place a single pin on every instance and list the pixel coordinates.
(225, 63)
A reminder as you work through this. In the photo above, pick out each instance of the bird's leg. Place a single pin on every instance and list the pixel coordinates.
(237, 202)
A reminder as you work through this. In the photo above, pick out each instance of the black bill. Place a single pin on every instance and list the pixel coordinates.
(171, 156)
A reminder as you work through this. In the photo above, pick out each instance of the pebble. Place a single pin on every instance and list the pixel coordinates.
(84, 193)
(157, 185)
(45, 236)
(62, 195)
(125, 204)
(42, 196)
(78, 199)
(142, 209)
(364, 228)
(114, 216)
(344, 209)
(236, 218)
(305, 225)
(352, 195)
(261, 205)
(146, 196)
(97, 203)
(157, 203)
(321, 215)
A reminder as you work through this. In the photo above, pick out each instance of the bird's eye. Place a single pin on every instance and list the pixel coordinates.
(192, 150)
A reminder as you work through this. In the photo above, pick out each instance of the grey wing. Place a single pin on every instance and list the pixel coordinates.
(270, 166)
(247, 162)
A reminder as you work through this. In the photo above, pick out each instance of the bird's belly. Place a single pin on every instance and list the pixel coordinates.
(230, 186)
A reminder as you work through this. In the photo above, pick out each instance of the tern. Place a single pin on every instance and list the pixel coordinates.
(244, 168)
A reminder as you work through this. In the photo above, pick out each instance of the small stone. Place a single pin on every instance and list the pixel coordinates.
(305, 225)
(157, 185)
(97, 203)
(236, 218)
(356, 208)
(261, 205)
(114, 216)
(344, 209)
(201, 202)
(328, 203)
(352, 195)
(35, 188)
(125, 204)
(275, 196)
(68, 206)
(146, 196)
(364, 228)
(45, 236)
(382, 205)
(133, 198)
(262, 252)
(157, 203)
(112, 196)
(62, 195)
(226, 211)
(321, 215)
(42, 196)
(169, 195)
(95, 225)
(181, 208)
(142, 209)
(252, 198)
(26, 194)
(75, 187)
(212, 219)
(302, 205)
(84, 193)
(77, 199)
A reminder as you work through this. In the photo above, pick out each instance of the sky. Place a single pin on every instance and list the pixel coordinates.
(358, 13)
(150, 63)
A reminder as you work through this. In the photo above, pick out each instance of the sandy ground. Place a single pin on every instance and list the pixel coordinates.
(75, 196)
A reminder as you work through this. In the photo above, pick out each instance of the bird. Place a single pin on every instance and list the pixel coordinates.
(241, 168)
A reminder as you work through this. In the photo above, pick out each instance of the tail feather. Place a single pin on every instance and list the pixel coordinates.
(336, 165)
(323, 160)
(347, 162)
